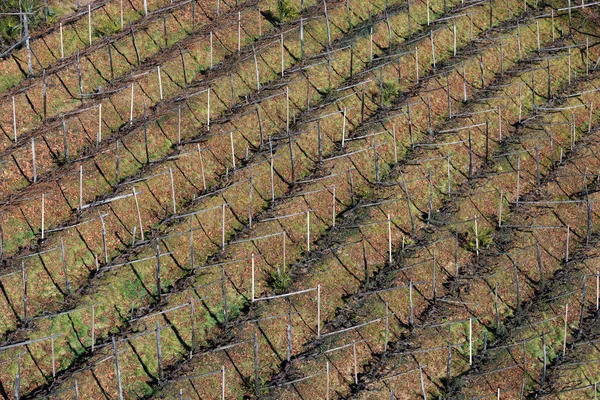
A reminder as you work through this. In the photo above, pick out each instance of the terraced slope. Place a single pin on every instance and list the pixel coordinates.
(303, 199)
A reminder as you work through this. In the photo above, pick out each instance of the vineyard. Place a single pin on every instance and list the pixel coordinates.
(299, 199)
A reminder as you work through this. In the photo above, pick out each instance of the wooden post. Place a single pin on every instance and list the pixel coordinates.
(432, 48)
(131, 105)
(256, 377)
(282, 57)
(104, 240)
(93, 333)
(99, 135)
(160, 88)
(18, 379)
(333, 208)
(545, 357)
(422, 382)
(173, 190)
(417, 63)
(211, 49)
(208, 109)
(355, 363)
(24, 277)
(139, 215)
(500, 210)
(256, 68)
(564, 349)
(251, 189)
(518, 191)
(64, 266)
(253, 287)
(410, 298)
(327, 23)
(464, 76)
(33, 162)
(567, 244)
(223, 227)
(239, 31)
(233, 166)
(14, 114)
(157, 272)
(222, 382)
(62, 45)
(159, 352)
(327, 383)
(470, 341)
(307, 231)
(318, 310)
(118, 369)
(43, 212)
(454, 37)
(89, 24)
(201, 167)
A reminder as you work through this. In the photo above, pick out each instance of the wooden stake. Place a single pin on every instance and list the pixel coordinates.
(355, 363)
(564, 350)
(160, 88)
(223, 227)
(93, 333)
(43, 212)
(239, 31)
(137, 207)
(62, 46)
(14, 114)
(389, 223)
(33, 159)
(470, 341)
(208, 109)
(99, 135)
(159, 352)
(211, 49)
(173, 190)
(253, 288)
(307, 231)
(24, 278)
(201, 167)
(116, 357)
(333, 211)
(318, 310)
(90, 24)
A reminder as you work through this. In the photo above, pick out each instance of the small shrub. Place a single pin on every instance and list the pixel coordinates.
(106, 27)
(280, 281)
(389, 91)
(484, 236)
(287, 10)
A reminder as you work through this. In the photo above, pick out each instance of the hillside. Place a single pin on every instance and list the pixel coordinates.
(290, 199)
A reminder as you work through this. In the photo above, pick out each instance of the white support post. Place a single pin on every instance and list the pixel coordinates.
(252, 277)
(319, 310)
(208, 109)
(99, 135)
(389, 224)
(308, 231)
(62, 44)
(14, 113)
(43, 214)
(90, 24)
(160, 87)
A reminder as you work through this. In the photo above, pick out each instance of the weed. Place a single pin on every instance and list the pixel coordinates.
(287, 11)
(480, 240)
(389, 91)
(280, 281)
(106, 27)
